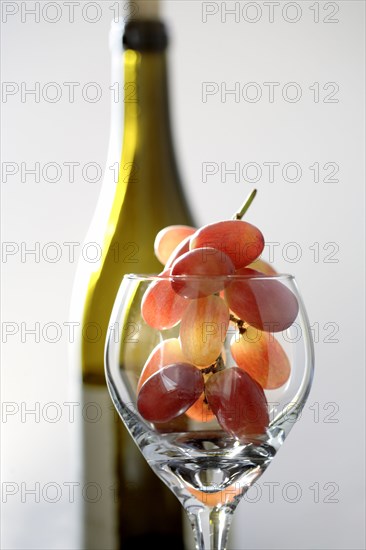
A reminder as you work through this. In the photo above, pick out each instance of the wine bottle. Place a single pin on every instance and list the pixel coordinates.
(134, 507)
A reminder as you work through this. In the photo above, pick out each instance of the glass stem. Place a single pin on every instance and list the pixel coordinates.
(211, 527)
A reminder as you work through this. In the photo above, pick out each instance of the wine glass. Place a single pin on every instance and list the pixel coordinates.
(209, 375)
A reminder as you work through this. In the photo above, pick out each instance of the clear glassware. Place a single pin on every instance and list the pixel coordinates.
(209, 461)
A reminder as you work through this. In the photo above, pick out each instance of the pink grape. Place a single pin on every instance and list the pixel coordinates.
(262, 267)
(168, 239)
(165, 353)
(238, 402)
(203, 330)
(161, 307)
(200, 410)
(261, 356)
(181, 249)
(209, 265)
(262, 301)
(170, 392)
(240, 240)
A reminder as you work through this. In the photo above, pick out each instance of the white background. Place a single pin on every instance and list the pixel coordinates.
(317, 477)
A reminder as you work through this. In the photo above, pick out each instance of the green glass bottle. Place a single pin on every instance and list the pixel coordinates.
(135, 507)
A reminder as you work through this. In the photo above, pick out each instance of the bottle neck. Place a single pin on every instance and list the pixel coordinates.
(145, 35)
(145, 80)
(145, 95)
(145, 90)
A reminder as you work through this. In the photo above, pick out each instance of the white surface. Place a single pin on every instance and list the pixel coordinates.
(324, 459)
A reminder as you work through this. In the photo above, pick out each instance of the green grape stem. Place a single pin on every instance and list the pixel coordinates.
(248, 201)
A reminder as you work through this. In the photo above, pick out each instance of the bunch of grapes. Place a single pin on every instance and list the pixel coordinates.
(198, 289)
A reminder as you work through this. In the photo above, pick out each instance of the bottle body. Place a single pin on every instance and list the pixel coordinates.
(145, 196)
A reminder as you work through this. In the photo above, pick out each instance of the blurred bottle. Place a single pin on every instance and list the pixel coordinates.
(141, 194)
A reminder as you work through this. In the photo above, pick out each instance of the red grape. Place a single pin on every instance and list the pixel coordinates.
(209, 265)
(261, 356)
(181, 249)
(169, 238)
(161, 307)
(240, 240)
(262, 267)
(203, 330)
(170, 392)
(264, 303)
(238, 402)
(165, 353)
(200, 410)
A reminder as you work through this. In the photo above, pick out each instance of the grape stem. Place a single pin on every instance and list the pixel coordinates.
(246, 204)
(215, 367)
(238, 322)
(219, 364)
